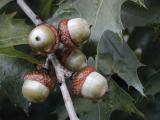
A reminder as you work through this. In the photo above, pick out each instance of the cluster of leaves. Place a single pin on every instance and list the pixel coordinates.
(107, 46)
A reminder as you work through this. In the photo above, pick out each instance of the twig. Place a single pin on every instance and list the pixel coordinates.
(66, 72)
(66, 96)
(35, 19)
(60, 71)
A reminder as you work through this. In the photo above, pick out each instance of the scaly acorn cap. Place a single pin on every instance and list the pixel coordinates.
(74, 32)
(64, 33)
(89, 84)
(79, 78)
(37, 86)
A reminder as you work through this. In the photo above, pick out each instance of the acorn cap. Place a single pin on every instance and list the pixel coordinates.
(37, 86)
(42, 77)
(37, 38)
(94, 87)
(79, 78)
(64, 33)
(89, 84)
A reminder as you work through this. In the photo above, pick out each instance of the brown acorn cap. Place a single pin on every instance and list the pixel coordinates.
(55, 45)
(64, 33)
(79, 78)
(42, 77)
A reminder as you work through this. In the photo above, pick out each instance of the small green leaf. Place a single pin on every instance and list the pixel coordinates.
(134, 15)
(65, 10)
(11, 72)
(118, 99)
(152, 86)
(12, 31)
(12, 52)
(4, 2)
(115, 56)
(115, 99)
(150, 107)
(47, 8)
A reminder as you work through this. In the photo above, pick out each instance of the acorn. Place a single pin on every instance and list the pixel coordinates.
(44, 39)
(89, 84)
(74, 31)
(37, 86)
(73, 59)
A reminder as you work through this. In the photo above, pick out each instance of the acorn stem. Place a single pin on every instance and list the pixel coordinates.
(61, 72)
(35, 19)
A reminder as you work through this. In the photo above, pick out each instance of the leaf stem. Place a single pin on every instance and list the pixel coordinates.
(35, 19)
(61, 72)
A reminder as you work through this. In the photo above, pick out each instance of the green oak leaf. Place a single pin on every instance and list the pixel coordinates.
(115, 99)
(4, 2)
(150, 106)
(115, 56)
(13, 31)
(120, 100)
(12, 71)
(152, 86)
(134, 15)
(12, 52)
(47, 8)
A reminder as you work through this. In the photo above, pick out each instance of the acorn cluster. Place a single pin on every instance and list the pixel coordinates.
(45, 39)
